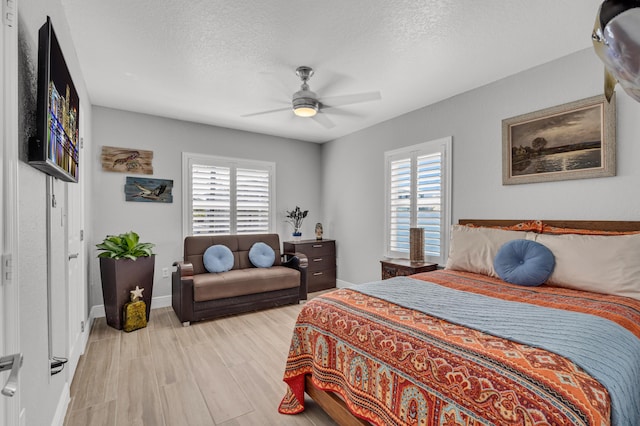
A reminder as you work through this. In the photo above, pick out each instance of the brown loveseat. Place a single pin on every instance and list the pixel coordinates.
(198, 294)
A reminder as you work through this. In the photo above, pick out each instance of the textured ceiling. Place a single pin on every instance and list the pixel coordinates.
(213, 61)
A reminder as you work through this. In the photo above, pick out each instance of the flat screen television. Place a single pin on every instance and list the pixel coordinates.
(55, 148)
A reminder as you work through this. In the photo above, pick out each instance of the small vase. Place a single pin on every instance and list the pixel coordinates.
(297, 236)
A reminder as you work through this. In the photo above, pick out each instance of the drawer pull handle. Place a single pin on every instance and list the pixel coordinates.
(317, 245)
(315, 274)
(318, 259)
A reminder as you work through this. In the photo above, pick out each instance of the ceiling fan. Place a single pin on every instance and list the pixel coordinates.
(306, 103)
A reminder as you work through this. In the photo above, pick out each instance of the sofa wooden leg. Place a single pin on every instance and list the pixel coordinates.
(186, 323)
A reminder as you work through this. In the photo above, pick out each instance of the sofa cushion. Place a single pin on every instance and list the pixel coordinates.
(261, 255)
(218, 258)
(239, 282)
(195, 246)
(246, 241)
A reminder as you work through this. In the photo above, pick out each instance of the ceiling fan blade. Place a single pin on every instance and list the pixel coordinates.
(267, 112)
(344, 112)
(336, 101)
(323, 120)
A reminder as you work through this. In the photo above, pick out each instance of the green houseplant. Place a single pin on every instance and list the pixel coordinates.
(125, 263)
(124, 246)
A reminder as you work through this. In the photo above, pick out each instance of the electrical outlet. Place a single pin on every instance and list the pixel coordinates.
(165, 272)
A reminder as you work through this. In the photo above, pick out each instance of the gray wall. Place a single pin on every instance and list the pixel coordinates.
(42, 395)
(298, 180)
(353, 166)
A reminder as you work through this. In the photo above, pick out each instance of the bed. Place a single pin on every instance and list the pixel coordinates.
(461, 346)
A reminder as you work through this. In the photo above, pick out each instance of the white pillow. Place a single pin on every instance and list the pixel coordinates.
(474, 249)
(602, 264)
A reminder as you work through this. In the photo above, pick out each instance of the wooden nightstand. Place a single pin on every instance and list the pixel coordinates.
(402, 267)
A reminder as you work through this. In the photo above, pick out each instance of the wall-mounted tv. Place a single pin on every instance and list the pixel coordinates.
(55, 149)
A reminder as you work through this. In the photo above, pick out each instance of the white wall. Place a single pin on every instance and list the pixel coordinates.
(43, 397)
(353, 166)
(298, 177)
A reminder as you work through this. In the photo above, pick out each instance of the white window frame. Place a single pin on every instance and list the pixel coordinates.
(444, 146)
(188, 159)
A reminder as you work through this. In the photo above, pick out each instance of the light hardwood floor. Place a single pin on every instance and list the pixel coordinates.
(224, 372)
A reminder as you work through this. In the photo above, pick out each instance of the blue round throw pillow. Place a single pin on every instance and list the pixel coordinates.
(262, 255)
(218, 258)
(524, 262)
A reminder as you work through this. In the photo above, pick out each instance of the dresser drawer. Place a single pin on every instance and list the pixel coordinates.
(321, 280)
(318, 263)
(317, 249)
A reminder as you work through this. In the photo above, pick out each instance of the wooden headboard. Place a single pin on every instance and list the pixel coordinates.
(600, 225)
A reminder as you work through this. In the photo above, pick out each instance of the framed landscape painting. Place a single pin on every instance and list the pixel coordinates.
(570, 141)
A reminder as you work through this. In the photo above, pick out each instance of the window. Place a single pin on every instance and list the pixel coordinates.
(227, 195)
(418, 195)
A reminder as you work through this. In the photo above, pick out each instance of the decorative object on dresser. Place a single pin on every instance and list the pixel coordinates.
(321, 272)
(319, 231)
(403, 267)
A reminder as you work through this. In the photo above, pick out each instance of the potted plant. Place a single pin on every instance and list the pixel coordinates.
(295, 218)
(125, 263)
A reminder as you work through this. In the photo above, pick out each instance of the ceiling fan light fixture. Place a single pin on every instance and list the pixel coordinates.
(305, 107)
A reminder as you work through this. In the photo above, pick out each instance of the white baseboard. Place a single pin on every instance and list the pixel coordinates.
(61, 409)
(343, 284)
(97, 311)
(78, 349)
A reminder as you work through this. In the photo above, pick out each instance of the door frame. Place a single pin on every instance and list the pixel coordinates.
(9, 297)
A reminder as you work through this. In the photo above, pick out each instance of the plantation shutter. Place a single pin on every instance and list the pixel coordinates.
(228, 196)
(400, 205)
(253, 201)
(418, 197)
(211, 198)
(429, 201)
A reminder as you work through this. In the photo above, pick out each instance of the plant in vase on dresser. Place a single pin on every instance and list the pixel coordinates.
(295, 218)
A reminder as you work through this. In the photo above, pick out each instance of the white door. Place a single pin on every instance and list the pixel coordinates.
(76, 290)
(9, 342)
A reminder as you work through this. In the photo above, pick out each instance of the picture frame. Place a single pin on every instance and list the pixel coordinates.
(576, 140)
(126, 160)
(148, 190)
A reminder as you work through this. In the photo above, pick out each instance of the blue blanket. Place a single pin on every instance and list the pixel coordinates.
(607, 351)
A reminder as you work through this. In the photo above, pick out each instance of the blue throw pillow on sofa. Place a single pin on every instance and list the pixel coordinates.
(524, 262)
(218, 258)
(262, 255)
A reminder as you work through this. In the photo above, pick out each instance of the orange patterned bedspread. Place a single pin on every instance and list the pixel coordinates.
(393, 365)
